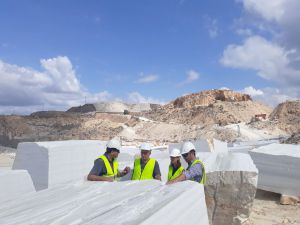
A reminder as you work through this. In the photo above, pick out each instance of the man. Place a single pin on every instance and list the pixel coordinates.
(145, 168)
(195, 170)
(175, 168)
(106, 166)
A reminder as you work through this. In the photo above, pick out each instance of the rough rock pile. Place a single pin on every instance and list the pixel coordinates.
(293, 139)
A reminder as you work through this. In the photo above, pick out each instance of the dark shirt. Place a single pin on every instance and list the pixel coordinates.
(174, 169)
(156, 170)
(99, 168)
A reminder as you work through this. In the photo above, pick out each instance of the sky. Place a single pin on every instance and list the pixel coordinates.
(55, 54)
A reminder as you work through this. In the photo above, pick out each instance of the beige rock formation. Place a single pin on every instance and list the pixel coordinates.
(205, 98)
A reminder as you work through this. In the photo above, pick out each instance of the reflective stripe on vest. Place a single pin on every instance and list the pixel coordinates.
(203, 179)
(147, 172)
(178, 172)
(109, 171)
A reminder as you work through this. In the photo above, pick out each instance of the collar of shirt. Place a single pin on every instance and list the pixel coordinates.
(108, 158)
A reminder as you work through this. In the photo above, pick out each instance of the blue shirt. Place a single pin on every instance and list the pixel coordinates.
(194, 171)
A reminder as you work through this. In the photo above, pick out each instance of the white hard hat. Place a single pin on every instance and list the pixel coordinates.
(175, 152)
(187, 147)
(145, 146)
(114, 143)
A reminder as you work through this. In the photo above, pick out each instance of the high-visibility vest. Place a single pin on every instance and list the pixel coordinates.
(177, 173)
(109, 171)
(203, 179)
(147, 173)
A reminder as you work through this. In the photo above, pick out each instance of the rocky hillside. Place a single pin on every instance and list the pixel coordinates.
(287, 116)
(210, 107)
(206, 98)
(208, 114)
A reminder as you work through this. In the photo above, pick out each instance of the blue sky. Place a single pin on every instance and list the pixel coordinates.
(55, 54)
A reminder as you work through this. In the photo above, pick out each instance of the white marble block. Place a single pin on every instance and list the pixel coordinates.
(230, 187)
(14, 184)
(279, 166)
(131, 202)
(52, 163)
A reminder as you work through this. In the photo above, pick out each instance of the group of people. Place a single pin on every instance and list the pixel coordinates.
(145, 168)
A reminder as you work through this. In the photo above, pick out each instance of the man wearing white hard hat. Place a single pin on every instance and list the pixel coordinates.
(106, 166)
(175, 168)
(195, 170)
(144, 167)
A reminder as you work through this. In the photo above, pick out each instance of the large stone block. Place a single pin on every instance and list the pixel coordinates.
(279, 166)
(14, 184)
(131, 202)
(230, 187)
(52, 163)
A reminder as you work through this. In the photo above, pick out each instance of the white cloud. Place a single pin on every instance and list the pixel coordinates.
(213, 31)
(147, 79)
(136, 97)
(224, 88)
(56, 87)
(269, 95)
(60, 71)
(270, 60)
(252, 91)
(276, 56)
(192, 76)
(269, 10)
(212, 26)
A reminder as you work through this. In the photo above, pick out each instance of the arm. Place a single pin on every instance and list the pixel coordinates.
(156, 172)
(194, 172)
(97, 171)
(182, 177)
(92, 177)
(123, 172)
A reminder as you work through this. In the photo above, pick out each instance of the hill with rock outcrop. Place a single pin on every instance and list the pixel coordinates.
(220, 107)
(287, 116)
(207, 114)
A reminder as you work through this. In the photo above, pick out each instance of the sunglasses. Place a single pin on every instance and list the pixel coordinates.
(116, 150)
(184, 155)
(144, 152)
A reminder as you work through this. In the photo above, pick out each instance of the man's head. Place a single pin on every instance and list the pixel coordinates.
(175, 157)
(113, 148)
(145, 151)
(188, 151)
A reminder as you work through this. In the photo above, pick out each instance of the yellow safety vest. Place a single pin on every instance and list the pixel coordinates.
(147, 173)
(178, 172)
(109, 171)
(203, 179)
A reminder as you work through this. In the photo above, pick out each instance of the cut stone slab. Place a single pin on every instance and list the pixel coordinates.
(14, 184)
(279, 166)
(230, 187)
(52, 163)
(93, 203)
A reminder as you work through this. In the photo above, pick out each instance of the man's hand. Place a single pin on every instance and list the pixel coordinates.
(125, 171)
(109, 179)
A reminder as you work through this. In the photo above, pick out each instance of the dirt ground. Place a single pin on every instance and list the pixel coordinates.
(268, 211)
(6, 160)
